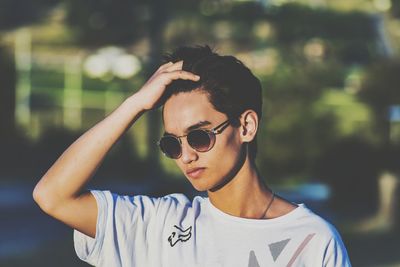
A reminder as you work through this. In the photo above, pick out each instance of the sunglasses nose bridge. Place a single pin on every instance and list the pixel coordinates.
(188, 153)
(184, 144)
(180, 139)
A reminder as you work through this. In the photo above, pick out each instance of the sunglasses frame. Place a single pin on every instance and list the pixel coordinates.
(211, 134)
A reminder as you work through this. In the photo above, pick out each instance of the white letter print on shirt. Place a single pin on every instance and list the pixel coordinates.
(180, 235)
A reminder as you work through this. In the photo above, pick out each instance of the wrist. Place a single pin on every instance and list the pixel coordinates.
(135, 103)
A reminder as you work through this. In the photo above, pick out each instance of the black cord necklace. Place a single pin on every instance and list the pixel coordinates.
(268, 206)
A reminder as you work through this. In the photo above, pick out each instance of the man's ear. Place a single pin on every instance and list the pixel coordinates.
(248, 125)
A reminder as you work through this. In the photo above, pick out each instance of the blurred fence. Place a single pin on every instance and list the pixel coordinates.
(51, 89)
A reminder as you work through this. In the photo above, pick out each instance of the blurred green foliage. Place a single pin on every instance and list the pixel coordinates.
(327, 85)
(96, 23)
(14, 13)
(350, 37)
(395, 8)
(7, 92)
(299, 22)
(380, 89)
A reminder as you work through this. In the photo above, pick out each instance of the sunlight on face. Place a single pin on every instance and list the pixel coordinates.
(187, 109)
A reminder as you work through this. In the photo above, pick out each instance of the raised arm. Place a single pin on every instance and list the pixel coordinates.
(60, 192)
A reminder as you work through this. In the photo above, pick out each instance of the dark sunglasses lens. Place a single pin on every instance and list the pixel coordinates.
(199, 140)
(170, 146)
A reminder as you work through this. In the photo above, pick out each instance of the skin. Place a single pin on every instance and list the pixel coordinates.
(230, 177)
(60, 191)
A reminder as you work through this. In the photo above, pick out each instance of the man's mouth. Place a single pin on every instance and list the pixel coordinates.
(195, 172)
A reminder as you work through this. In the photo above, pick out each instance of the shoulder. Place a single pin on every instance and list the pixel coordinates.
(182, 199)
(324, 239)
(302, 217)
(324, 228)
(180, 203)
(304, 222)
(167, 203)
(114, 200)
(325, 233)
(108, 196)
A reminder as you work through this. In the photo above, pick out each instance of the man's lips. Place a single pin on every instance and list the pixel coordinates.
(195, 172)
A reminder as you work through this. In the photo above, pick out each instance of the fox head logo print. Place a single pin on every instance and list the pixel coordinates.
(179, 234)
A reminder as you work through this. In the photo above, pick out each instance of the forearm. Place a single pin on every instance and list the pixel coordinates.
(74, 168)
(59, 192)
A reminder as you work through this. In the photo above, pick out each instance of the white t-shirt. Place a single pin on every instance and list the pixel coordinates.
(171, 231)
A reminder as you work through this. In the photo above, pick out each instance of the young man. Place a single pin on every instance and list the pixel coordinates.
(211, 112)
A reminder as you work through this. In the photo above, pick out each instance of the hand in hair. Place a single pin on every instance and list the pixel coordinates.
(153, 89)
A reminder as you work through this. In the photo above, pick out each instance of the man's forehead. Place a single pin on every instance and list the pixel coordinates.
(186, 100)
(185, 110)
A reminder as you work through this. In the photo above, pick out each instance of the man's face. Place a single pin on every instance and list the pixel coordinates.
(184, 110)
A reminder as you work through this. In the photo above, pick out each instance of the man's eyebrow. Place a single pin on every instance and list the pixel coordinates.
(197, 125)
(193, 127)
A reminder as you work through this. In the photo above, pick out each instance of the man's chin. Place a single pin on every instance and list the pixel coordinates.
(201, 187)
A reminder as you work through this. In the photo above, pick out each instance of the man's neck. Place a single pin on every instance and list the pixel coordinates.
(245, 195)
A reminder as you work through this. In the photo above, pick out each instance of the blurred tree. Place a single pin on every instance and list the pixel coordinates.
(13, 14)
(158, 21)
(314, 44)
(7, 95)
(348, 165)
(380, 89)
(317, 49)
(295, 134)
(103, 22)
(296, 22)
(226, 23)
(351, 36)
(395, 9)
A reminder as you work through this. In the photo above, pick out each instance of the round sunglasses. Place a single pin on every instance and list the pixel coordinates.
(200, 140)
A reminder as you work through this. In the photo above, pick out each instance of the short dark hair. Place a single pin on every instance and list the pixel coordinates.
(230, 85)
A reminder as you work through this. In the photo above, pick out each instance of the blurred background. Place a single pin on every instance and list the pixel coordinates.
(329, 138)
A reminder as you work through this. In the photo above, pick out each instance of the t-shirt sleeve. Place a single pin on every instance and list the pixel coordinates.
(86, 247)
(121, 228)
(335, 252)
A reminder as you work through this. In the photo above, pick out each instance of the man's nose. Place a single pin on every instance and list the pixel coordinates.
(188, 153)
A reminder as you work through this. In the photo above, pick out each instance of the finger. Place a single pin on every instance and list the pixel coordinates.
(163, 66)
(184, 75)
(176, 66)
